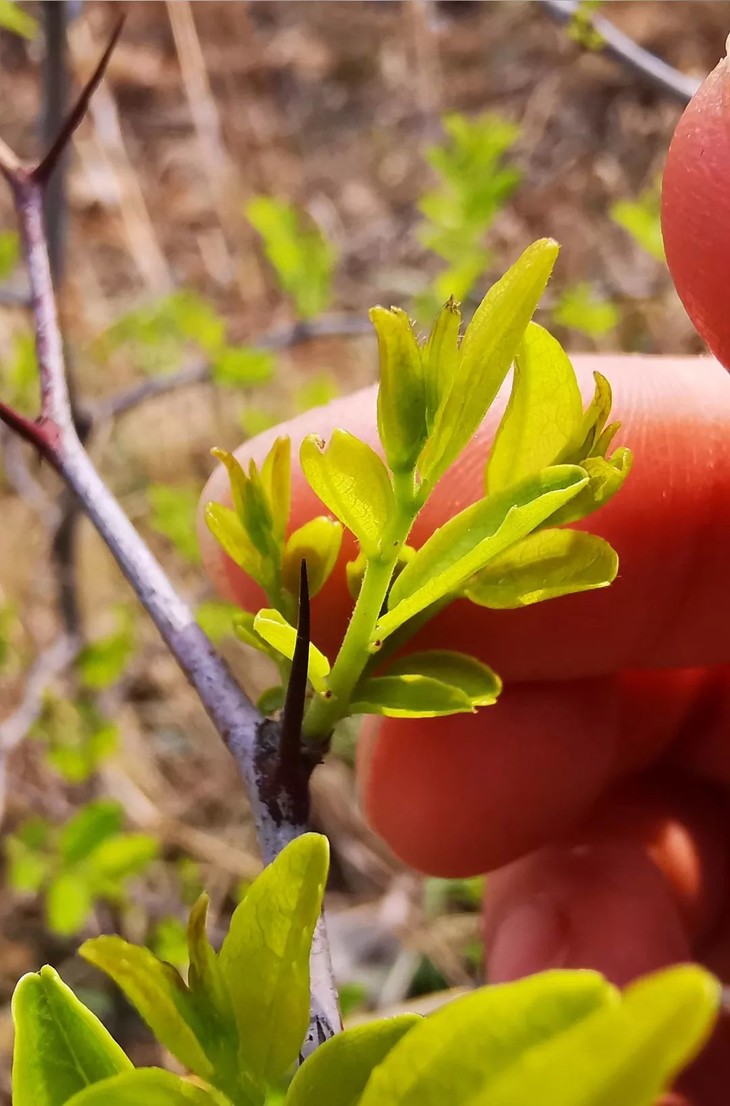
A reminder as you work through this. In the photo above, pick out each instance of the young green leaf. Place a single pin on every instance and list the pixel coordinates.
(295, 246)
(627, 1053)
(318, 543)
(487, 351)
(544, 415)
(60, 1046)
(595, 418)
(352, 481)
(441, 358)
(68, 903)
(409, 696)
(401, 394)
(544, 565)
(172, 514)
(605, 478)
(239, 366)
(148, 1087)
(121, 856)
(282, 636)
(160, 996)
(472, 538)
(265, 957)
(476, 680)
(226, 527)
(474, 1038)
(92, 824)
(336, 1073)
(276, 481)
(205, 978)
(243, 628)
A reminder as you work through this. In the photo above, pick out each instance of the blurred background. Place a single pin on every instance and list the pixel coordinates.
(250, 179)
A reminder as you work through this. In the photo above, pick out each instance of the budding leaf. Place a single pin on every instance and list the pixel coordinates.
(352, 481)
(226, 527)
(276, 481)
(470, 1041)
(337, 1072)
(544, 565)
(473, 538)
(544, 415)
(401, 394)
(605, 478)
(627, 1053)
(282, 636)
(60, 1046)
(265, 957)
(441, 358)
(159, 995)
(475, 680)
(487, 351)
(148, 1087)
(318, 543)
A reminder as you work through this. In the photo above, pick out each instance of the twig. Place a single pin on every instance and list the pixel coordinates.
(284, 337)
(629, 53)
(250, 738)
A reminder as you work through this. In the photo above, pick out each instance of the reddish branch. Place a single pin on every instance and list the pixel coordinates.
(249, 737)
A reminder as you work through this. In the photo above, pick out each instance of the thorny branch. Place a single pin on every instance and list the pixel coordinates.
(246, 734)
(629, 53)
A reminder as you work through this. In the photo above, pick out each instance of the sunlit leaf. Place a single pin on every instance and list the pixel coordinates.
(625, 1054)
(119, 857)
(581, 310)
(318, 543)
(295, 246)
(243, 628)
(13, 18)
(352, 481)
(172, 515)
(241, 366)
(68, 903)
(103, 661)
(441, 358)
(456, 1050)
(336, 1073)
(544, 415)
(88, 827)
(276, 482)
(642, 219)
(225, 526)
(401, 393)
(475, 680)
(265, 956)
(408, 696)
(60, 1046)
(159, 995)
(474, 537)
(148, 1087)
(544, 565)
(277, 632)
(487, 350)
(215, 617)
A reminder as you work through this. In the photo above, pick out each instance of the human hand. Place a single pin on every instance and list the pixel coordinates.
(595, 791)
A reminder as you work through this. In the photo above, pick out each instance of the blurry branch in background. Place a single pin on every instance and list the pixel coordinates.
(277, 791)
(284, 337)
(614, 42)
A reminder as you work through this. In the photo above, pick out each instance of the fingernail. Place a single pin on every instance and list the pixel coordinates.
(531, 939)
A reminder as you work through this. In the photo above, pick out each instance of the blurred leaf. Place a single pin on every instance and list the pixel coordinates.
(475, 680)
(544, 415)
(317, 392)
(216, 618)
(13, 18)
(271, 700)
(173, 511)
(158, 993)
(487, 350)
(352, 997)
(402, 389)
(318, 543)
(642, 219)
(103, 661)
(158, 334)
(471, 539)
(579, 309)
(265, 956)
(169, 942)
(239, 367)
(27, 870)
(277, 632)
(94, 823)
(60, 1047)
(543, 566)
(148, 1087)
(296, 248)
(626, 1053)
(68, 904)
(22, 376)
(117, 858)
(255, 420)
(9, 240)
(337, 1072)
(466, 1044)
(352, 482)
